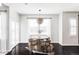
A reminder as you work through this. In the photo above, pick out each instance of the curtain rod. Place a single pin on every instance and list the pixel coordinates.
(38, 17)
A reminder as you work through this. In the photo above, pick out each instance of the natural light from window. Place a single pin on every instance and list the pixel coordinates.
(33, 27)
(73, 26)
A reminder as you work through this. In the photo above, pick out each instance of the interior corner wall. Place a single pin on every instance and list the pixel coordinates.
(13, 28)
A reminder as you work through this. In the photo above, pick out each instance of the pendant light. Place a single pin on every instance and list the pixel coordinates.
(40, 21)
(40, 18)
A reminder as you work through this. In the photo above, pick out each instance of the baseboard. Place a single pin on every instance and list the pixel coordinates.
(69, 45)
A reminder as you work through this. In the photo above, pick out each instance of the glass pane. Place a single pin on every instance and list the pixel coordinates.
(73, 26)
(32, 22)
(73, 22)
(33, 27)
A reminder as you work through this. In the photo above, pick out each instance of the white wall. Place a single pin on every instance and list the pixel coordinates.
(23, 30)
(3, 29)
(60, 28)
(54, 29)
(13, 28)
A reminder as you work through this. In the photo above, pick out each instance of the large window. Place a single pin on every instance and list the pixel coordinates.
(73, 26)
(33, 27)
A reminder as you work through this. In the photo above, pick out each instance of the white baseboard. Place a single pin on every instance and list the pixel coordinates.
(69, 44)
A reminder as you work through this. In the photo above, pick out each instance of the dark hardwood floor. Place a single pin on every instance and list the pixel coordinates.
(58, 50)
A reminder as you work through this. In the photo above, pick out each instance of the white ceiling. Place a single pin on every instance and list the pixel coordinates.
(47, 8)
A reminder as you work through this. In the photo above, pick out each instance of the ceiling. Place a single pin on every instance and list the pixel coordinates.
(46, 8)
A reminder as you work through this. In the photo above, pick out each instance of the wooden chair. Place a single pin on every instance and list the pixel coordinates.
(41, 45)
(33, 44)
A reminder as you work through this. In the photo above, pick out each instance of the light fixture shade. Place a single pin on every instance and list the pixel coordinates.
(40, 20)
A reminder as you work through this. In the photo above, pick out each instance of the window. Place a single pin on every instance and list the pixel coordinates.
(33, 27)
(73, 26)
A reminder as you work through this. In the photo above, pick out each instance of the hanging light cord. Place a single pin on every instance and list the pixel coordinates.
(39, 23)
